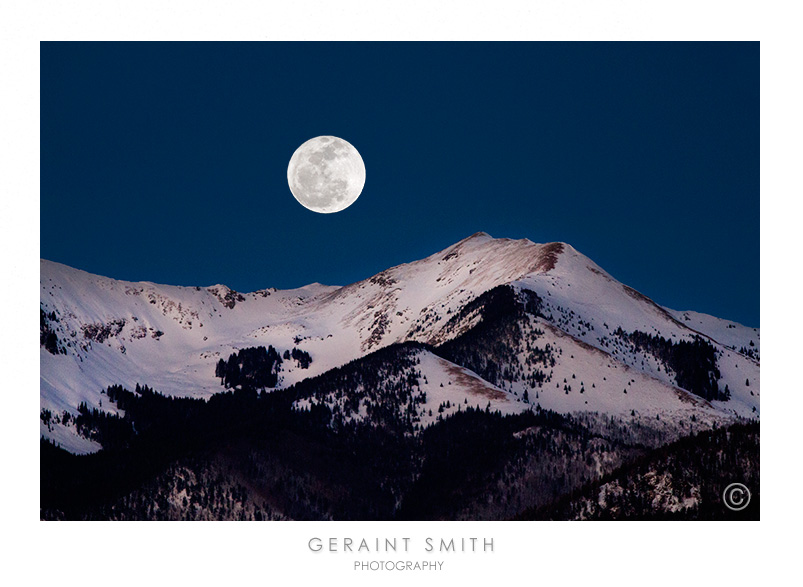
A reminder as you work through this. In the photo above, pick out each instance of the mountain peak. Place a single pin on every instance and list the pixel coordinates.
(477, 237)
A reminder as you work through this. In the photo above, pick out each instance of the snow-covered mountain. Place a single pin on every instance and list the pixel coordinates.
(583, 343)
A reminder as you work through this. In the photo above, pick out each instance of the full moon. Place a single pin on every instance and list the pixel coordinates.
(326, 174)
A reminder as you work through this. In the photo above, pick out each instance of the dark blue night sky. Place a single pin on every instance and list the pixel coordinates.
(168, 162)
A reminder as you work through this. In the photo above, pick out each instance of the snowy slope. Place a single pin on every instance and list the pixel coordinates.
(170, 338)
(446, 386)
(730, 334)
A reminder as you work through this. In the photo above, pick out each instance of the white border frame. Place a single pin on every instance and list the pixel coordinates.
(268, 553)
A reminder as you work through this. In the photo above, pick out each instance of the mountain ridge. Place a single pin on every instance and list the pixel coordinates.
(107, 332)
